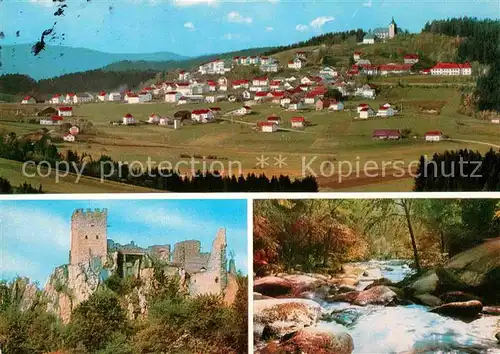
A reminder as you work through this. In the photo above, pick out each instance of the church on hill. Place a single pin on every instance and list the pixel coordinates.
(382, 33)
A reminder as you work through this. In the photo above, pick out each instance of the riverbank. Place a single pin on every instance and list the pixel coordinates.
(367, 309)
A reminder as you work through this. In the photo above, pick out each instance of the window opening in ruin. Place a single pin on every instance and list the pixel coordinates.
(86, 237)
(216, 280)
(96, 237)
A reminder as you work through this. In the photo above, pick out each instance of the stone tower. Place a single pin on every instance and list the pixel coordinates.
(393, 28)
(88, 235)
(217, 262)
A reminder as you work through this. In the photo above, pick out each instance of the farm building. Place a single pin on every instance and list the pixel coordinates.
(267, 127)
(172, 96)
(115, 97)
(154, 119)
(54, 120)
(451, 69)
(411, 58)
(295, 64)
(102, 96)
(295, 105)
(298, 122)
(243, 111)
(28, 100)
(336, 106)
(361, 106)
(384, 111)
(433, 136)
(274, 119)
(57, 99)
(128, 119)
(386, 134)
(65, 111)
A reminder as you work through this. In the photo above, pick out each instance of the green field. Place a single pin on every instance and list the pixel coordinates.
(332, 137)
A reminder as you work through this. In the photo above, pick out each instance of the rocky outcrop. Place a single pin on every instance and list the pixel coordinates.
(278, 317)
(312, 341)
(464, 310)
(378, 295)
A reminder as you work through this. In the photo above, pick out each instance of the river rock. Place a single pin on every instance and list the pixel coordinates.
(312, 341)
(346, 289)
(301, 283)
(497, 336)
(346, 317)
(344, 297)
(427, 284)
(466, 310)
(381, 281)
(428, 300)
(378, 295)
(272, 286)
(491, 310)
(282, 316)
(259, 296)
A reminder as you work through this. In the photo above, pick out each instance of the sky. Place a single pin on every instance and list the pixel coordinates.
(35, 235)
(196, 27)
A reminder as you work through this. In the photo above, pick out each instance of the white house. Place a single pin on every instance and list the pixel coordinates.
(83, 98)
(433, 136)
(202, 115)
(184, 88)
(199, 89)
(336, 106)
(28, 100)
(57, 99)
(128, 119)
(154, 119)
(495, 120)
(164, 121)
(210, 99)
(295, 105)
(184, 76)
(212, 86)
(411, 58)
(145, 97)
(356, 56)
(285, 101)
(366, 113)
(362, 106)
(115, 96)
(246, 95)
(69, 137)
(65, 111)
(102, 96)
(369, 38)
(243, 111)
(183, 100)
(298, 122)
(172, 96)
(451, 69)
(268, 127)
(70, 98)
(240, 84)
(295, 64)
(365, 91)
(327, 70)
(269, 68)
(260, 81)
(54, 120)
(384, 111)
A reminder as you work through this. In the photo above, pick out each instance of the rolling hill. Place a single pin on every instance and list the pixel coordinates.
(60, 60)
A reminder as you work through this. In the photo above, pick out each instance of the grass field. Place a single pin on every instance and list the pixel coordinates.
(331, 138)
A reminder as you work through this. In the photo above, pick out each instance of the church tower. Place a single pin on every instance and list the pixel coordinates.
(393, 28)
(88, 235)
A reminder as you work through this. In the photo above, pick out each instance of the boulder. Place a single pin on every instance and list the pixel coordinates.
(344, 297)
(259, 296)
(497, 336)
(272, 286)
(282, 316)
(378, 295)
(491, 310)
(312, 341)
(465, 310)
(427, 284)
(345, 317)
(428, 300)
(346, 289)
(301, 283)
(381, 281)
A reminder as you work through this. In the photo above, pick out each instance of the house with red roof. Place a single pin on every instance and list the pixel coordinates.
(336, 106)
(57, 99)
(202, 115)
(385, 111)
(366, 112)
(267, 127)
(298, 122)
(262, 96)
(386, 134)
(28, 100)
(274, 84)
(296, 64)
(301, 54)
(154, 119)
(65, 111)
(361, 106)
(54, 120)
(451, 69)
(184, 75)
(102, 96)
(433, 136)
(394, 69)
(172, 96)
(411, 58)
(212, 85)
(357, 55)
(236, 84)
(295, 104)
(260, 81)
(128, 119)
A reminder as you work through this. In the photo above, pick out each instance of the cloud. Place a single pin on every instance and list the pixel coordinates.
(318, 22)
(236, 17)
(189, 26)
(301, 28)
(368, 3)
(230, 36)
(45, 3)
(269, 29)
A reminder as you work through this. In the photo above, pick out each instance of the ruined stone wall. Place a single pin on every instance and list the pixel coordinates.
(161, 252)
(88, 235)
(187, 254)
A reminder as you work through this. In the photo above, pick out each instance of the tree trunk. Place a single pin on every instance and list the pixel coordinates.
(412, 235)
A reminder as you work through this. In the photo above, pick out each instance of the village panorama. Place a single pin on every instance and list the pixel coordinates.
(354, 111)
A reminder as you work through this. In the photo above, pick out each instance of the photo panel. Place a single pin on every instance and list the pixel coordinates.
(123, 276)
(376, 276)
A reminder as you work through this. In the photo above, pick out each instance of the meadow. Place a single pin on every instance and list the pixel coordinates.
(330, 139)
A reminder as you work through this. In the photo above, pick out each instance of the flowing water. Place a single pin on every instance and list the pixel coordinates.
(410, 329)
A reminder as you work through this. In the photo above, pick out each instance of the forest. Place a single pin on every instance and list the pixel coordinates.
(479, 41)
(175, 323)
(23, 150)
(321, 235)
(461, 170)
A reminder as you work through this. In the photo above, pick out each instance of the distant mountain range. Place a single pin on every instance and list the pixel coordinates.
(59, 60)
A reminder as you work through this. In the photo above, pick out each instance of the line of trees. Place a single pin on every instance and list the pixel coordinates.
(462, 170)
(21, 150)
(24, 188)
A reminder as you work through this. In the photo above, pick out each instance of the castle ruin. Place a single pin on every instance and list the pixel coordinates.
(88, 235)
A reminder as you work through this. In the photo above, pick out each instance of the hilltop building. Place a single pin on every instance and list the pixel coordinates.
(386, 33)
